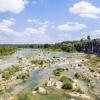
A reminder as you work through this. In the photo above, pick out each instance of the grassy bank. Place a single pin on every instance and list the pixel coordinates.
(7, 50)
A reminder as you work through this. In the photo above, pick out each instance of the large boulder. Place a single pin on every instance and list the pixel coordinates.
(34, 92)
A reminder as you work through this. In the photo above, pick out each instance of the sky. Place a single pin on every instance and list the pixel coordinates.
(48, 21)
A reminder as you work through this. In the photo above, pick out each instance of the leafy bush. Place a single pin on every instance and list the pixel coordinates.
(68, 47)
(23, 76)
(58, 71)
(80, 65)
(6, 75)
(67, 82)
(77, 75)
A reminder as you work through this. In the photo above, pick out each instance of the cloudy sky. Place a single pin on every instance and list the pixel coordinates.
(48, 21)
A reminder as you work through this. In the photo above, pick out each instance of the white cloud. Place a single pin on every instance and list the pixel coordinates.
(27, 35)
(85, 9)
(97, 32)
(14, 6)
(37, 21)
(5, 25)
(92, 33)
(45, 23)
(71, 26)
(34, 2)
(37, 32)
(32, 20)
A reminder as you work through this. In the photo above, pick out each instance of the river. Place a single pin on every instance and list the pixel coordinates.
(38, 76)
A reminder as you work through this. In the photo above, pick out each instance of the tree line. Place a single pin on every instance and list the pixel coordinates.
(84, 45)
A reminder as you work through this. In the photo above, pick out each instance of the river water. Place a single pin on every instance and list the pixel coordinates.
(38, 76)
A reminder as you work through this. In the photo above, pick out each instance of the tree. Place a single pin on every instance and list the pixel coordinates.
(88, 38)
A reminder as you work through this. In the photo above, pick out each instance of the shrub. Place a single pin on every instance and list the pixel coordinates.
(77, 75)
(58, 71)
(81, 76)
(80, 65)
(6, 75)
(23, 76)
(79, 90)
(67, 82)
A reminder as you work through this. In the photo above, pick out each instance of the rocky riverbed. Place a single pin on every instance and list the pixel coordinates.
(51, 75)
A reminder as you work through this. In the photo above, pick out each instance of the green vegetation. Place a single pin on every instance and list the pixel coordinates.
(53, 94)
(79, 90)
(77, 75)
(67, 82)
(23, 76)
(81, 76)
(94, 61)
(68, 47)
(80, 65)
(84, 45)
(9, 72)
(7, 50)
(58, 71)
(37, 61)
(24, 96)
(88, 56)
(44, 62)
(0, 71)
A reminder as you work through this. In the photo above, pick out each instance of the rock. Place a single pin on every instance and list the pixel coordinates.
(75, 84)
(58, 85)
(72, 99)
(31, 58)
(79, 96)
(50, 83)
(35, 68)
(10, 98)
(33, 65)
(34, 92)
(42, 90)
(0, 77)
(96, 75)
(13, 77)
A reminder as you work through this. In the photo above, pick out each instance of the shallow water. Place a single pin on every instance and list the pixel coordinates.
(40, 75)
(37, 74)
